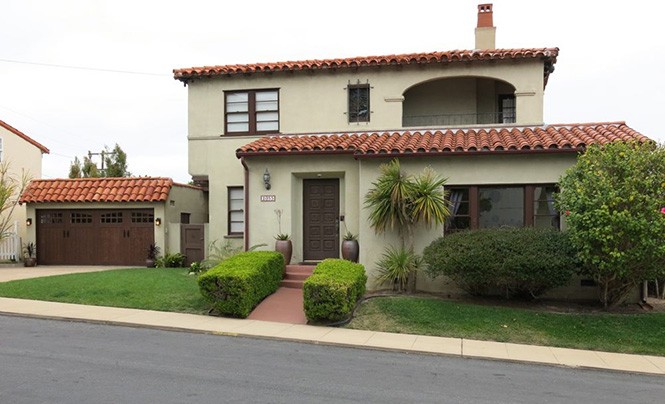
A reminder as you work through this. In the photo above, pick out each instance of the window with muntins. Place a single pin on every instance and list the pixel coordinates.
(507, 109)
(479, 207)
(236, 207)
(359, 103)
(252, 112)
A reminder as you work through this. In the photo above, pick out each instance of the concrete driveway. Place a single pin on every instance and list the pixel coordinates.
(13, 273)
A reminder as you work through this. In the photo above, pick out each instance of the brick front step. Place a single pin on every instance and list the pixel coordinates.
(296, 275)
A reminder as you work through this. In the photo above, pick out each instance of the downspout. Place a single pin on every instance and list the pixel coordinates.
(246, 187)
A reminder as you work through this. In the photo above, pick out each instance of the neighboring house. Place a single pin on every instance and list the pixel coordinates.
(23, 155)
(112, 221)
(307, 138)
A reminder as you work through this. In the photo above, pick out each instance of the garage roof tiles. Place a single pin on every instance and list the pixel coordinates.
(131, 189)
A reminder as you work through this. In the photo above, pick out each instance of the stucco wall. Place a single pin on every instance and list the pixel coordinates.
(287, 176)
(22, 157)
(461, 170)
(183, 199)
(356, 178)
(317, 102)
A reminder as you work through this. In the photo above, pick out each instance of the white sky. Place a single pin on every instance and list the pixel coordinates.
(610, 65)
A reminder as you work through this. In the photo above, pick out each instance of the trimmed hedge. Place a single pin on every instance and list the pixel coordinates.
(333, 290)
(236, 285)
(515, 262)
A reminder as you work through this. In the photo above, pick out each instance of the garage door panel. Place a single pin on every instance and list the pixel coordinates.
(94, 237)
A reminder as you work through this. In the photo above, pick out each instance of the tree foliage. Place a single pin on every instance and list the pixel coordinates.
(401, 202)
(11, 187)
(613, 199)
(114, 164)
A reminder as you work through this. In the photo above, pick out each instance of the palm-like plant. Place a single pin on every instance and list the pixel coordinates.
(401, 202)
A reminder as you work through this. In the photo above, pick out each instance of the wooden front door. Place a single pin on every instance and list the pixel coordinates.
(320, 219)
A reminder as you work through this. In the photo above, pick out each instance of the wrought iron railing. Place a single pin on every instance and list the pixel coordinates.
(458, 119)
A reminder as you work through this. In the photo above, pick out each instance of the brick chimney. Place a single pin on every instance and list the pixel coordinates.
(485, 31)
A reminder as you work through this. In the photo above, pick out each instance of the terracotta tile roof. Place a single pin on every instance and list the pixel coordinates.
(131, 189)
(564, 137)
(547, 54)
(24, 136)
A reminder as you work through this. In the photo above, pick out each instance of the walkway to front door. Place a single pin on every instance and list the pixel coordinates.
(286, 304)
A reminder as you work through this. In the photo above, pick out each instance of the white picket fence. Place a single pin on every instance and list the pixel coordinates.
(10, 246)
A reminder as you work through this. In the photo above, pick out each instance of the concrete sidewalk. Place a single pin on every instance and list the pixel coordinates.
(13, 273)
(338, 336)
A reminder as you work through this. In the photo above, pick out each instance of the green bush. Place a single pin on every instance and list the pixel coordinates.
(333, 290)
(515, 262)
(175, 260)
(239, 283)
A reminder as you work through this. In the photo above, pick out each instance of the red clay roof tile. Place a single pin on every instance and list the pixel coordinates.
(24, 137)
(572, 137)
(547, 54)
(139, 189)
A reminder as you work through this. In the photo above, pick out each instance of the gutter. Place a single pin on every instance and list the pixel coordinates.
(246, 186)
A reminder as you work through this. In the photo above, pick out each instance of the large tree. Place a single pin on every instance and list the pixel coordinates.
(114, 164)
(613, 200)
(401, 202)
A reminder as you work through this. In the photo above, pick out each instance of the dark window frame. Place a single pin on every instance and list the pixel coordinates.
(251, 111)
(353, 111)
(502, 109)
(474, 203)
(230, 211)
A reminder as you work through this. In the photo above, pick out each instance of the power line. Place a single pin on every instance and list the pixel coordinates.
(94, 69)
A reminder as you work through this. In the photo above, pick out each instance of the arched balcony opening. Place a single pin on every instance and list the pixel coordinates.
(459, 101)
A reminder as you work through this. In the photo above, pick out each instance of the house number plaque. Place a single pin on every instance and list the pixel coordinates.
(268, 198)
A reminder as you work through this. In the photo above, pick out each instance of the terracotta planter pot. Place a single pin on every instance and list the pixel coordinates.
(286, 248)
(350, 250)
(30, 262)
(149, 263)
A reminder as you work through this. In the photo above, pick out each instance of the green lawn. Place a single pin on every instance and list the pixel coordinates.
(628, 333)
(173, 290)
(163, 289)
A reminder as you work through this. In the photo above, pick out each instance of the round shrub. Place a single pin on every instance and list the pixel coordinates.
(515, 262)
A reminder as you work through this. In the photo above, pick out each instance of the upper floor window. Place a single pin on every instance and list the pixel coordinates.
(359, 103)
(507, 109)
(252, 112)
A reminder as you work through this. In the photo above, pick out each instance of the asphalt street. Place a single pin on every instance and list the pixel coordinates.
(48, 361)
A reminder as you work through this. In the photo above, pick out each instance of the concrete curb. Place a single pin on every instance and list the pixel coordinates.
(344, 337)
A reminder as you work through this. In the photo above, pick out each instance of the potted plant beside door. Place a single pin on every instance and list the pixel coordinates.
(153, 253)
(350, 247)
(284, 246)
(30, 255)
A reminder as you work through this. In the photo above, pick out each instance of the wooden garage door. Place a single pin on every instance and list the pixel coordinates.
(94, 237)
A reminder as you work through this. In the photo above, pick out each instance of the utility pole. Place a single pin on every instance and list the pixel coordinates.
(103, 153)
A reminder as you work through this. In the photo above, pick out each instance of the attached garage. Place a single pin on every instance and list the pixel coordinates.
(112, 221)
(94, 237)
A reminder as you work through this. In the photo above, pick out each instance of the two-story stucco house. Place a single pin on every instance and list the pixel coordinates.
(22, 156)
(307, 138)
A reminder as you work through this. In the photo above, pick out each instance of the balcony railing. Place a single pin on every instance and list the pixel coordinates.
(459, 119)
